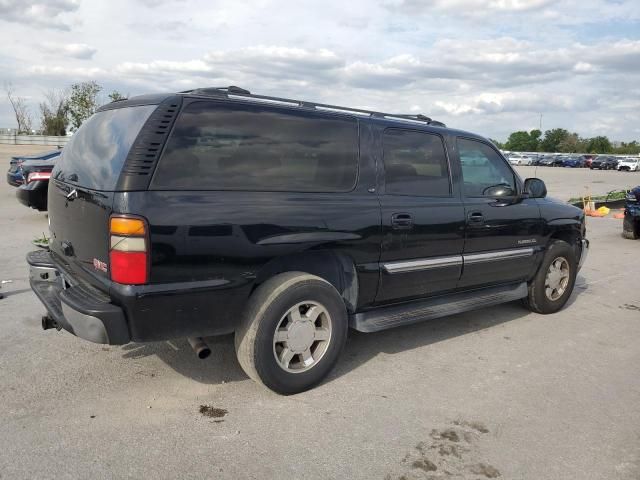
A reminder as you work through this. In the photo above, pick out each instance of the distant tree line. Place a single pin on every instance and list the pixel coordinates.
(561, 140)
(61, 111)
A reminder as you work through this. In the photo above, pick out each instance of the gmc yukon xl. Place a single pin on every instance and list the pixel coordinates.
(285, 222)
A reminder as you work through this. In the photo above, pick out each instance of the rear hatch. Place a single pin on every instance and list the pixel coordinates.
(82, 189)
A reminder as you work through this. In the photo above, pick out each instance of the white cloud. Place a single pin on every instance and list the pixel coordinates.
(80, 51)
(469, 7)
(491, 66)
(43, 13)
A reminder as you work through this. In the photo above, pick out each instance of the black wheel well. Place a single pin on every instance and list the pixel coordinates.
(336, 268)
(572, 237)
(569, 236)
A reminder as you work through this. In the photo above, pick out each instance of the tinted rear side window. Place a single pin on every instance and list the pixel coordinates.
(95, 154)
(216, 146)
(415, 164)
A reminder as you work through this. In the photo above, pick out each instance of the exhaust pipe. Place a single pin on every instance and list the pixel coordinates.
(48, 322)
(199, 346)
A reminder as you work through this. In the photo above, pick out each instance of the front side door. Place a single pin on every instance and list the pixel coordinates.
(503, 234)
(422, 218)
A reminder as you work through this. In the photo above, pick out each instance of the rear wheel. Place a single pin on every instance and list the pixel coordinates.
(553, 284)
(630, 229)
(292, 332)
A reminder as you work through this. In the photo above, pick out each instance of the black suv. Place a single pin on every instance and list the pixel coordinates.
(285, 222)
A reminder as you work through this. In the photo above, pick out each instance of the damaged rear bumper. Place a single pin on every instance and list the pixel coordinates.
(80, 309)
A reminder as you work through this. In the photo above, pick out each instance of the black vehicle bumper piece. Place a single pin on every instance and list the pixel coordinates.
(76, 307)
(33, 194)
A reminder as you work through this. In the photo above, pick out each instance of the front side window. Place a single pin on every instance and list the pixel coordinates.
(482, 168)
(227, 146)
(415, 164)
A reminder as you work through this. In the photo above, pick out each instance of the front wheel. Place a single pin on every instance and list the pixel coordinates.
(552, 286)
(292, 333)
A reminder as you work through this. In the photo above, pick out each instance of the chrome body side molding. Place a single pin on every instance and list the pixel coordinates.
(456, 260)
(422, 264)
(498, 255)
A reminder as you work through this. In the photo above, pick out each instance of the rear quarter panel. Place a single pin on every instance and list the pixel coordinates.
(209, 248)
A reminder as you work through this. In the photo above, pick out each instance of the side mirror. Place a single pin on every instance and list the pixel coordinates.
(499, 191)
(535, 188)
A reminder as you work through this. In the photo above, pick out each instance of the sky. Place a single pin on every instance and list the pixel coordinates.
(488, 66)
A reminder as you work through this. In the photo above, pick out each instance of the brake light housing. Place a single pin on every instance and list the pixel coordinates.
(128, 250)
(35, 176)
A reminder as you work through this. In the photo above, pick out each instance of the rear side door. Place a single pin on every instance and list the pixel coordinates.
(422, 217)
(503, 235)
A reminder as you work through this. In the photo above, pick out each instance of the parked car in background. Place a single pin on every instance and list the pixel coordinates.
(574, 162)
(588, 159)
(604, 163)
(551, 161)
(35, 186)
(630, 164)
(631, 222)
(15, 175)
(518, 159)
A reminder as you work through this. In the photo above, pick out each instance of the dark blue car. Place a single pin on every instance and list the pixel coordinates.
(574, 162)
(15, 175)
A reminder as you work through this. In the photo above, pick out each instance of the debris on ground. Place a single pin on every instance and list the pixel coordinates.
(209, 411)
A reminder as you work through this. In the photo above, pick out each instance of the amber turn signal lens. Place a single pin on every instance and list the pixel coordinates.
(127, 226)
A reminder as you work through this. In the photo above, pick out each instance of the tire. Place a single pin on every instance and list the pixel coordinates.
(629, 228)
(272, 306)
(538, 299)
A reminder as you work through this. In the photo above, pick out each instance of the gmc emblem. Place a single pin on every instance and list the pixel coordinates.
(98, 265)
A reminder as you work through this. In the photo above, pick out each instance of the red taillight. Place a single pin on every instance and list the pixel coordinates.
(35, 176)
(128, 254)
(129, 268)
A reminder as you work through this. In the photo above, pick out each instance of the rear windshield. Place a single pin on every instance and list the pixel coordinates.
(218, 146)
(95, 154)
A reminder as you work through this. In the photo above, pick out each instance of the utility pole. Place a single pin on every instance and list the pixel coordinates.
(540, 122)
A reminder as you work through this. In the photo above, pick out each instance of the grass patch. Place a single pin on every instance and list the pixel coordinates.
(612, 195)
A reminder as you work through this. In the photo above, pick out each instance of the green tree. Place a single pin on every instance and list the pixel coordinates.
(54, 113)
(116, 96)
(552, 139)
(83, 102)
(631, 148)
(497, 143)
(522, 141)
(572, 144)
(600, 144)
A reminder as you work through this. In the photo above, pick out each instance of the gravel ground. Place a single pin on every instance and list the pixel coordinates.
(496, 393)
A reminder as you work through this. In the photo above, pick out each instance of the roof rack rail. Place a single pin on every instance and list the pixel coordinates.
(237, 93)
(217, 90)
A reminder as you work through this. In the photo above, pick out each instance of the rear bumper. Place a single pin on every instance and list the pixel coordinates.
(33, 194)
(79, 309)
(15, 179)
(135, 313)
(584, 251)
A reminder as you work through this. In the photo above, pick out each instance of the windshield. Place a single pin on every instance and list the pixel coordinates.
(96, 153)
